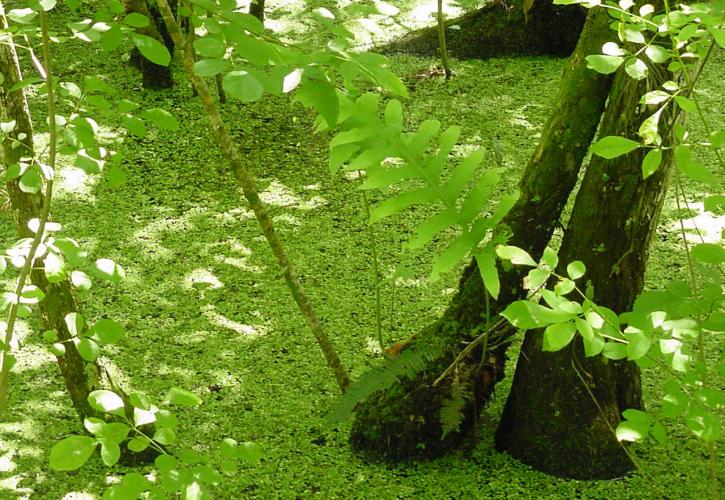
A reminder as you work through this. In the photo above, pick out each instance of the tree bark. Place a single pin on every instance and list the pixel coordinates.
(256, 8)
(153, 75)
(80, 376)
(403, 421)
(501, 28)
(563, 407)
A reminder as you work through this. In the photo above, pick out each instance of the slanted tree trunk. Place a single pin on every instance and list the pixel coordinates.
(551, 420)
(501, 28)
(404, 421)
(154, 76)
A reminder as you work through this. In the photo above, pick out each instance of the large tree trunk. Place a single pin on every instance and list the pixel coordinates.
(501, 28)
(154, 76)
(563, 407)
(404, 421)
(80, 377)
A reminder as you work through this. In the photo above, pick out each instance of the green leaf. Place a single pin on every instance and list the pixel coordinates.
(451, 256)
(31, 182)
(32, 295)
(428, 229)
(107, 331)
(516, 255)
(576, 270)
(527, 315)
(211, 67)
(636, 68)
(87, 348)
(613, 146)
(388, 80)
(614, 350)
(109, 270)
(536, 278)
(462, 175)
(550, 258)
(291, 80)
(394, 114)
(107, 402)
(719, 35)
(487, 267)
(212, 48)
(322, 97)
(401, 202)
(687, 104)
(54, 267)
(250, 452)
(138, 444)
(164, 436)
(161, 118)
(22, 16)
(110, 451)
(632, 431)
(564, 287)
(657, 54)
(558, 336)
(182, 397)
(71, 453)
(136, 20)
(637, 346)
(604, 64)
(709, 253)
(692, 168)
(151, 49)
(714, 204)
(651, 162)
(243, 86)
(75, 324)
(80, 280)
(134, 124)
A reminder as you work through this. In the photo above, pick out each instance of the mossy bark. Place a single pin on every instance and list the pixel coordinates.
(80, 376)
(563, 407)
(154, 76)
(499, 29)
(404, 421)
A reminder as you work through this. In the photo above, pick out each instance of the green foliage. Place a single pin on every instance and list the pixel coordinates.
(179, 473)
(406, 365)
(413, 164)
(452, 408)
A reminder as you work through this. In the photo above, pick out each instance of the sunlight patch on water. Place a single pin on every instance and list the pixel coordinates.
(710, 226)
(209, 311)
(202, 276)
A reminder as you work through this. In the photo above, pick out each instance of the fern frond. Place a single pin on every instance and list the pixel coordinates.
(451, 414)
(408, 363)
(426, 176)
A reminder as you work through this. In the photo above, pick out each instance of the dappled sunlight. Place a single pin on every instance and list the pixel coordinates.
(424, 13)
(277, 194)
(372, 346)
(74, 181)
(250, 331)
(201, 276)
(79, 495)
(238, 262)
(704, 225)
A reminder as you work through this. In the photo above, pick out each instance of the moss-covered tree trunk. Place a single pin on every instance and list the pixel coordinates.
(501, 28)
(551, 420)
(256, 8)
(404, 421)
(154, 76)
(80, 376)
